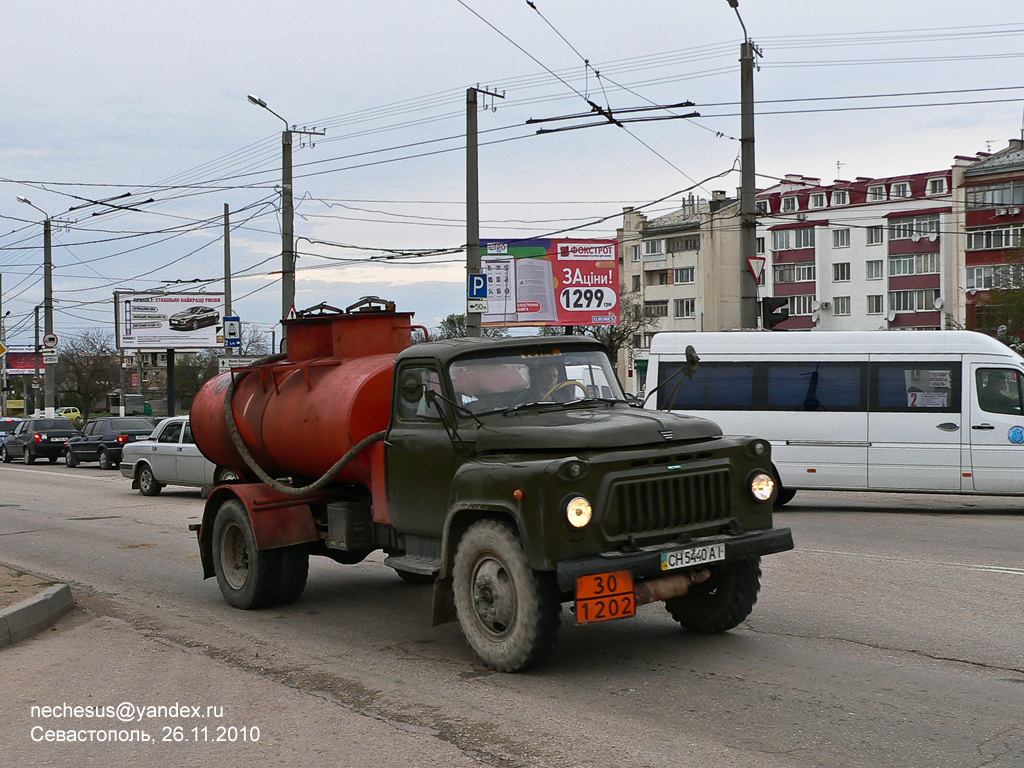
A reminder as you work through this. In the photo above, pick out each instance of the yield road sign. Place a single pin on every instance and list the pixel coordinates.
(50, 340)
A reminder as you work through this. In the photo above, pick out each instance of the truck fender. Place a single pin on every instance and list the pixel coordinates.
(460, 517)
(277, 520)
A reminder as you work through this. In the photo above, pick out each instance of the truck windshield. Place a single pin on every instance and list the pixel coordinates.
(502, 382)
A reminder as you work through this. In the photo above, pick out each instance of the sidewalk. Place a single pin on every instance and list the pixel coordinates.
(29, 605)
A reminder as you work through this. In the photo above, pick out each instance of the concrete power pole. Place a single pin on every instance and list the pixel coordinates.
(748, 190)
(473, 201)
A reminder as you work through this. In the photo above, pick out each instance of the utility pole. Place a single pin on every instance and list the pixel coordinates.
(3, 355)
(227, 260)
(35, 381)
(287, 208)
(47, 302)
(748, 215)
(473, 202)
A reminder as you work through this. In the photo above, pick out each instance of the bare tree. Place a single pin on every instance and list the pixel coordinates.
(89, 366)
(454, 327)
(254, 341)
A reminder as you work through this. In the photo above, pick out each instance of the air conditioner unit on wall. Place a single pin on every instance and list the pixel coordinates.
(1013, 211)
(1000, 212)
(826, 305)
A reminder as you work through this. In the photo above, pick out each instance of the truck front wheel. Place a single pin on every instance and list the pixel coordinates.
(247, 577)
(508, 612)
(723, 601)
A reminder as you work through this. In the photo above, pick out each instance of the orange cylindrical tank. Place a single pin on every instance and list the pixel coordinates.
(299, 416)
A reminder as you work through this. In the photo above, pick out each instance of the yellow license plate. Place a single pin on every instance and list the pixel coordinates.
(604, 596)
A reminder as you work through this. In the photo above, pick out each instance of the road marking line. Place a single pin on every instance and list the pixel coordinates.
(969, 566)
(65, 474)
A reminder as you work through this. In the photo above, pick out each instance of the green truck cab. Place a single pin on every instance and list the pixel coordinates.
(519, 475)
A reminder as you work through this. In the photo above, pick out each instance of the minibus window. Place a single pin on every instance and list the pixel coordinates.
(815, 387)
(999, 390)
(916, 387)
(715, 386)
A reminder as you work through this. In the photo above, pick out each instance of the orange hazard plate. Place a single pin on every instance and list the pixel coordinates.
(604, 596)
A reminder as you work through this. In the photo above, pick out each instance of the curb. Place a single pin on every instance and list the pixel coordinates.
(29, 617)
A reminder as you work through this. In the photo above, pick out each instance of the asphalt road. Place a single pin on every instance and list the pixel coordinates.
(892, 636)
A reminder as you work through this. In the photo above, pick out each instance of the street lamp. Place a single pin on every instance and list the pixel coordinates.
(287, 213)
(47, 299)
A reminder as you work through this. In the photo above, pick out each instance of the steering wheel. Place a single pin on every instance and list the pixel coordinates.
(563, 385)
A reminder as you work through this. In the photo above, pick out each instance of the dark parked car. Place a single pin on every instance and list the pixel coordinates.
(193, 318)
(37, 438)
(102, 440)
(8, 424)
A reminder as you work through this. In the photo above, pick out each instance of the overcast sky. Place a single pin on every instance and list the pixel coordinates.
(105, 98)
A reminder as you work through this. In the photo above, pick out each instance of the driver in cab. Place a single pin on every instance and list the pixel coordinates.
(547, 385)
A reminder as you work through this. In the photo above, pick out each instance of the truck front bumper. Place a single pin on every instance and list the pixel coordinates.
(645, 562)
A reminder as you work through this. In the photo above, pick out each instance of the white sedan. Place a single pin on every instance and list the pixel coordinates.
(170, 457)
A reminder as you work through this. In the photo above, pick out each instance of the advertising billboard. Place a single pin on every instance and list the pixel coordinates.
(169, 320)
(551, 282)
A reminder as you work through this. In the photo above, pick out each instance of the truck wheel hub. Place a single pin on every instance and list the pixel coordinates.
(494, 596)
(234, 556)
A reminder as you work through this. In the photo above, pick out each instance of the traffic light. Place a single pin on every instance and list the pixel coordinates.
(774, 310)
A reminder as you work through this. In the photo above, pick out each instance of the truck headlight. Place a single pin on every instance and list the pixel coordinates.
(578, 512)
(762, 486)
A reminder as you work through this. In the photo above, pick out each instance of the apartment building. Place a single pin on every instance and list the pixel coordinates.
(867, 254)
(992, 191)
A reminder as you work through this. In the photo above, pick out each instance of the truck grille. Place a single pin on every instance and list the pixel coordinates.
(668, 503)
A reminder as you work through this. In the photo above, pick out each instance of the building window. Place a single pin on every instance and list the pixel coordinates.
(873, 270)
(789, 204)
(803, 238)
(652, 247)
(794, 273)
(636, 283)
(926, 264)
(875, 305)
(980, 278)
(901, 265)
(913, 301)
(656, 308)
(876, 235)
(840, 197)
(995, 195)
(914, 227)
(685, 308)
(1005, 237)
(841, 305)
(899, 189)
(759, 246)
(638, 341)
(840, 238)
(659, 277)
(780, 240)
(999, 276)
(684, 275)
(635, 252)
(937, 186)
(761, 206)
(688, 243)
(841, 272)
(818, 200)
(801, 305)
(876, 193)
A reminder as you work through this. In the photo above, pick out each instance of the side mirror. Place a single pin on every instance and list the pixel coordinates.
(691, 362)
(411, 388)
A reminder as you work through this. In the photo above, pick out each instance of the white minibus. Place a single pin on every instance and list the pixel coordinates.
(924, 411)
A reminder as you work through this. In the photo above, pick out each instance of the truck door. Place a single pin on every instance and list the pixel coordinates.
(997, 429)
(419, 453)
(915, 425)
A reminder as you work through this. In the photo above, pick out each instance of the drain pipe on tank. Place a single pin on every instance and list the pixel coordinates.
(329, 475)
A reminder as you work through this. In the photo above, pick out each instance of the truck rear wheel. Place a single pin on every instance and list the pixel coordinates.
(247, 577)
(508, 612)
(723, 601)
(294, 572)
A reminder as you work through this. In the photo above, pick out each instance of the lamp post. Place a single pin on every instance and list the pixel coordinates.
(3, 363)
(748, 217)
(48, 379)
(287, 208)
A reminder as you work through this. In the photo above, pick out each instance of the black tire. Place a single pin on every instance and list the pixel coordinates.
(248, 578)
(30, 458)
(225, 475)
(105, 461)
(195, 325)
(723, 601)
(5, 454)
(52, 459)
(70, 459)
(416, 578)
(294, 571)
(783, 496)
(509, 613)
(148, 486)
